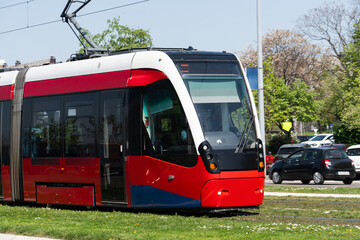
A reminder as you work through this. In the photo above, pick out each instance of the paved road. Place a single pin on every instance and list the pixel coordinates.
(327, 183)
(318, 195)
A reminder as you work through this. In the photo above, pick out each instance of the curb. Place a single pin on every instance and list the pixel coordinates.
(283, 194)
(4, 236)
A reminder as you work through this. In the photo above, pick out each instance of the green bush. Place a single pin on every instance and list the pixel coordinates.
(342, 134)
(276, 141)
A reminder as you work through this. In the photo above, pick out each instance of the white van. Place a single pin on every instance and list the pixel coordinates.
(354, 154)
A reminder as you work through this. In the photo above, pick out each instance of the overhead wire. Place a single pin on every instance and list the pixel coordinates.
(82, 15)
(29, 26)
(109, 9)
(17, 4)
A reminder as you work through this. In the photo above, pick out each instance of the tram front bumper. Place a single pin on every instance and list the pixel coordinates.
(233, 192)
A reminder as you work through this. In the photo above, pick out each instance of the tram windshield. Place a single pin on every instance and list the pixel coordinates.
(222, 103)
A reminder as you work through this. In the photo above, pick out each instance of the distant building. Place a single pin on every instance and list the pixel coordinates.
(3, 63)
(18, 64)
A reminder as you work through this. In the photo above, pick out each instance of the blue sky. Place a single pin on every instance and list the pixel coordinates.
(214, 25)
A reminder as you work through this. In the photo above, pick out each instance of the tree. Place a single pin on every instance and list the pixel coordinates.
(333, 25)
(293, 57)
(286, 102)
(343, 134)
(330, 24)
(330, 101)
(118, 37)
(297, 59)
(348, 131)
(351, 83)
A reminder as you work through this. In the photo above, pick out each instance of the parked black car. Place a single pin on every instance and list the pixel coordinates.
(318, 164)
(287, 149)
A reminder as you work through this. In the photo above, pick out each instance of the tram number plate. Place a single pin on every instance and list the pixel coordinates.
(343, 173)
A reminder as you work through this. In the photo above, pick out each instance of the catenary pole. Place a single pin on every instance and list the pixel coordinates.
(260, 75)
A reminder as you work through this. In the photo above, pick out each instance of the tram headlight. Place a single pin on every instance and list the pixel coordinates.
(209, 157)
(206, 147)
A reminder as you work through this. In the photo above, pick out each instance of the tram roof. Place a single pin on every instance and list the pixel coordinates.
(179, 54)
(176, 54)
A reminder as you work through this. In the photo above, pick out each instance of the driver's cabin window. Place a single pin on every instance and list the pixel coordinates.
(166, 133)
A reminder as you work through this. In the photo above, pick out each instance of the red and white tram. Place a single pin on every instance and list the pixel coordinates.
(140, 129)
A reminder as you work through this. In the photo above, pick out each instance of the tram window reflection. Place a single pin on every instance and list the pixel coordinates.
(80, 125)
(45, 129)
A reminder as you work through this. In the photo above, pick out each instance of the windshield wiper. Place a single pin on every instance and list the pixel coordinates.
(245, 135)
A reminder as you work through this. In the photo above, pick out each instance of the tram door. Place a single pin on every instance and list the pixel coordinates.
(112, 146)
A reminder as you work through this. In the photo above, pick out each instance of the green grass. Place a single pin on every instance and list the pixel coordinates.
(278, 218)
(327, 209)
(326, 190)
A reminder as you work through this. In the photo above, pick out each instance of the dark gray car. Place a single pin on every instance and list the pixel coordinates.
(287, 149)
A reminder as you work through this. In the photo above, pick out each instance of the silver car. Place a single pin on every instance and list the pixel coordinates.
(354, 154)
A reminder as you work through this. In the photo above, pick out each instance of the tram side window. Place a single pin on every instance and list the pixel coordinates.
(111, 125)
(26, 128)
(46, 127)
(165, 129)
(80, 125)
(5, 133)
(4, 138)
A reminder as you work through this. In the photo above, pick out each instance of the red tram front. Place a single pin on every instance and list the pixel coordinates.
(144, 129)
